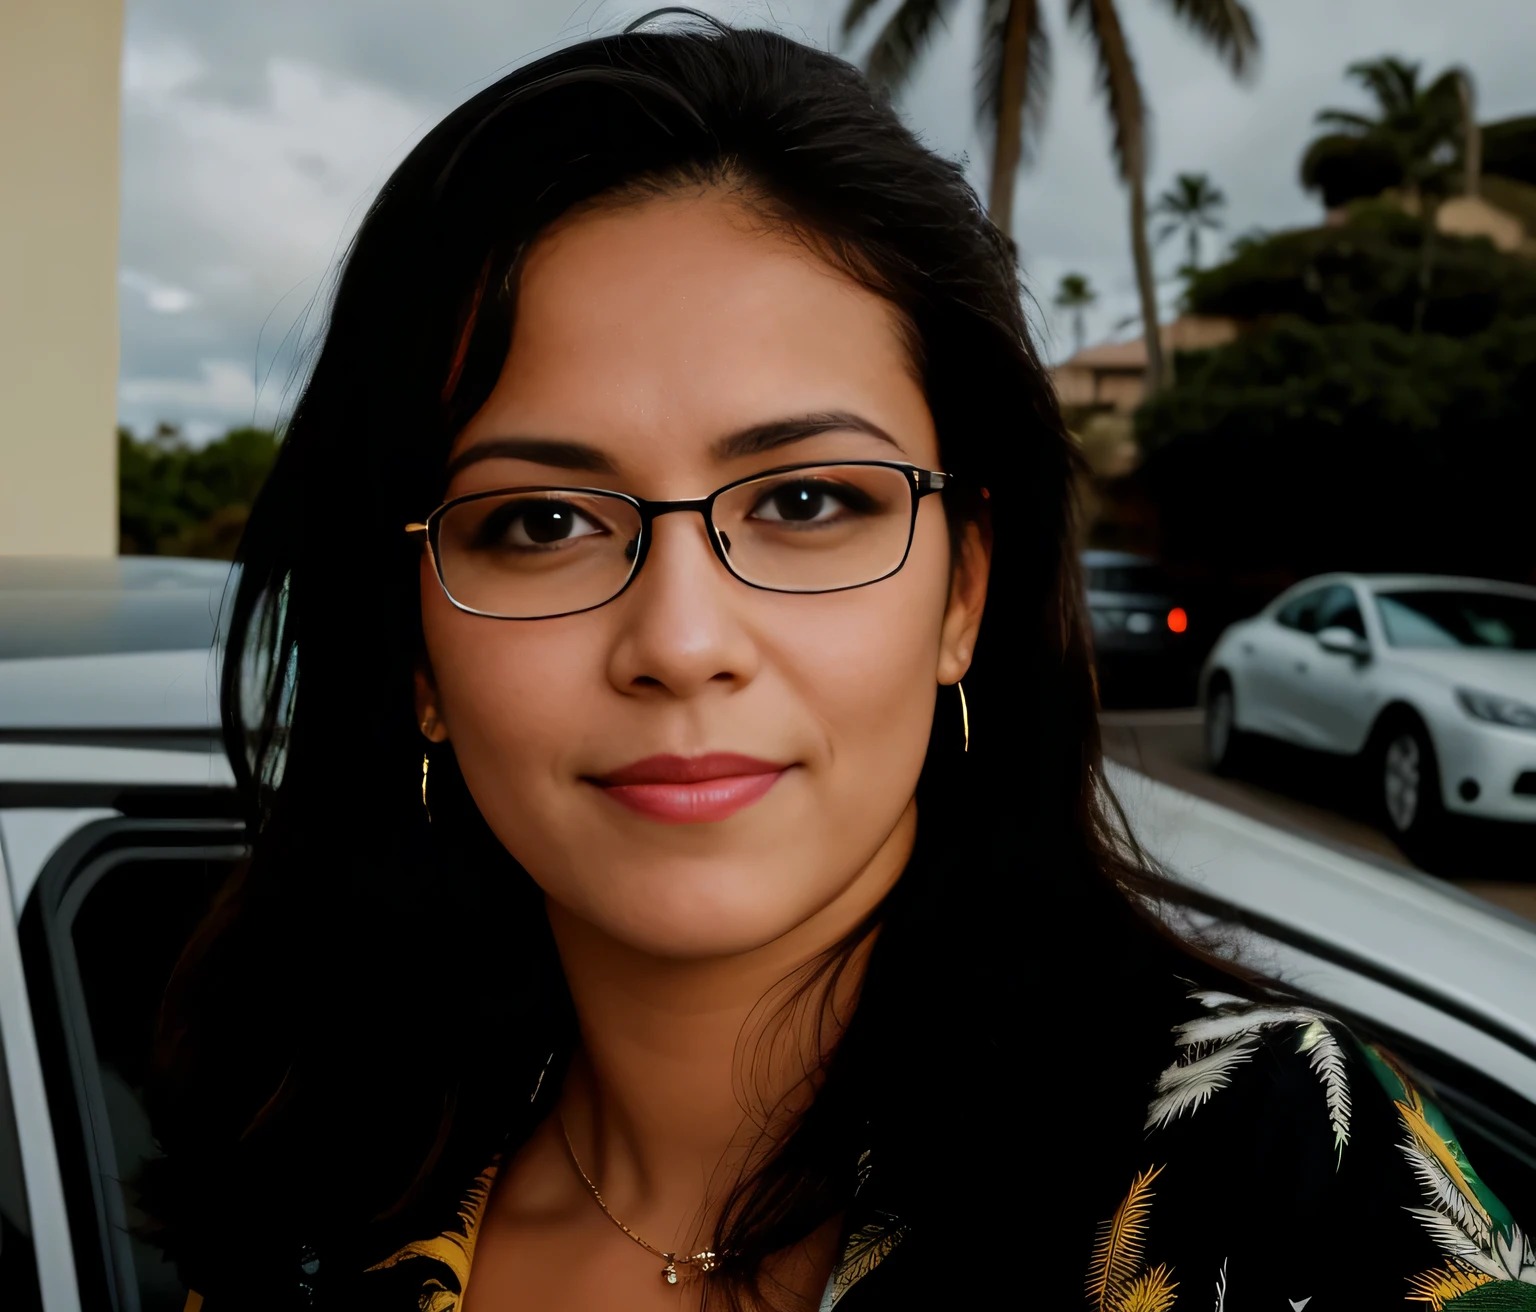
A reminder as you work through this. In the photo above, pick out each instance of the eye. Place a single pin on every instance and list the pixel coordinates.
(531, 525)
(809, 501)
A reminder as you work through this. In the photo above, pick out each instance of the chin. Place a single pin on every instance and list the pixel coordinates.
(704, 912)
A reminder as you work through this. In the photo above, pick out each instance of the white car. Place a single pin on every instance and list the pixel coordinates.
(1429, 680)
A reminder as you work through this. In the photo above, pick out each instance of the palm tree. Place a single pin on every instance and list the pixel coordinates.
(1420, 137)
(1015, 76)
(1424, 139)
(1190, 206)
(1075, 294)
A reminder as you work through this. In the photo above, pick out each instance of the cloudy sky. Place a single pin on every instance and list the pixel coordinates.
(255, 134)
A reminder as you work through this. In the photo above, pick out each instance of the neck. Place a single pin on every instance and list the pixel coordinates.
(685, 1062)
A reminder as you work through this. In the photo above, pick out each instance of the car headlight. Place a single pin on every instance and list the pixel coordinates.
(1496, 709)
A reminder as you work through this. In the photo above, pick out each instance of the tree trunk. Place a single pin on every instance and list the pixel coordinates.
(1431, 215)
(1471, 138)
(1157, 374)
(1008, 146)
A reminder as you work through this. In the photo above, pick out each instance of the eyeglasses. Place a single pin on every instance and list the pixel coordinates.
(529, 553)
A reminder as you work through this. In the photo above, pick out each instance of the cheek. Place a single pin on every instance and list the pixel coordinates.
(865, 664)
(507, 690)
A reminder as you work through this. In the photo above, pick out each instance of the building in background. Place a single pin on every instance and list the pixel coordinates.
(1112, 376)
(60, 82)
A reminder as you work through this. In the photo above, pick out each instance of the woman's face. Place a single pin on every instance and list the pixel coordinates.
(647, 336)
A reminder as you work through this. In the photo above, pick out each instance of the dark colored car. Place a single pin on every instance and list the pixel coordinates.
(1143, 635)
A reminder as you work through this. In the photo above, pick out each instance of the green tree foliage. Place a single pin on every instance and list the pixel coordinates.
(1367, 271)
(176, 499)
(1312, 446)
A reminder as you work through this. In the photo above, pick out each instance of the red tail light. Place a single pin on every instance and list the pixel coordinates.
(1178, 621)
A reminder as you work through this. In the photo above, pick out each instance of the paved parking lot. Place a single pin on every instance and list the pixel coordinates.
(1304, 794)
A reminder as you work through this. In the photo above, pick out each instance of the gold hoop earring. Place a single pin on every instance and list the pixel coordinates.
(965, 719)
(425, 762)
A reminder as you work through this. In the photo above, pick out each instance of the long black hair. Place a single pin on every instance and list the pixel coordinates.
(354, 1032)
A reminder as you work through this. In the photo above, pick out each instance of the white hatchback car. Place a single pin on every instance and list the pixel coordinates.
(1429, 680)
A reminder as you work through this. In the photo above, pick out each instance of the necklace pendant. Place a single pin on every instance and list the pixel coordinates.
(669, 1272)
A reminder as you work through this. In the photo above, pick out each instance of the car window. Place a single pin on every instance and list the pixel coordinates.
(102, 939)
(18, 1263)
(1425, 618)
(1127, 578)
(1340, 609)
(1302, 613)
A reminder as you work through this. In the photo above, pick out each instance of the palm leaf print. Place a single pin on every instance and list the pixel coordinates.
(1437, 1288)
(1117, 1250)
(865, 1250)
(454, 1248)
(1327, 1061)
(1187, 1086)
(1212, 1046)
(1152, 1291)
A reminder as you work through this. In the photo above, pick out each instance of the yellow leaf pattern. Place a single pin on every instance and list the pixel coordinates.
(1437, 1288)
(454, 1248)
(1151, 1291)
(1116, 1264)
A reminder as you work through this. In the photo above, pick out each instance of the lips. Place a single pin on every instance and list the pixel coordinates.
(690, 790)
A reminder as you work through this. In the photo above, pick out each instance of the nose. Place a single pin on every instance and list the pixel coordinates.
(680, 624)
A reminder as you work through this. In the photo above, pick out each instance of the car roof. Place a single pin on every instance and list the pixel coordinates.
(1096, 557)
(52, 607)
(115, 645)
(1403, 583)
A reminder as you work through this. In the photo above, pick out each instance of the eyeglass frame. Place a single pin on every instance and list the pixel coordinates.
(920, 483)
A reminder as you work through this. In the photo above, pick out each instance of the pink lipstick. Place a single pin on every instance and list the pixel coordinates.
(690, 790)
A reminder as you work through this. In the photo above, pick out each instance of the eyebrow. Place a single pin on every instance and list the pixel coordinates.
(752, 441)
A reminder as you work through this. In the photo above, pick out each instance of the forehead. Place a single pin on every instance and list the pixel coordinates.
(680, 318)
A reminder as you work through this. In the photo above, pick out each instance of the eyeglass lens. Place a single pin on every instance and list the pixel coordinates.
(528, 553)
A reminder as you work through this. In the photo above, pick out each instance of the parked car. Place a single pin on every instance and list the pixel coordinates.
(1143, 641)
(118, 825)
(1429, 681)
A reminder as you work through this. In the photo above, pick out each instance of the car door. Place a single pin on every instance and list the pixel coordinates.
(1335, 693)
(1283, 649)
(101, 932)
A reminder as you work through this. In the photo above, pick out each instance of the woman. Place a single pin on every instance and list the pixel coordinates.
(640, 916)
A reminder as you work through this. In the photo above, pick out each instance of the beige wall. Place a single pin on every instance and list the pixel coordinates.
(59, 92)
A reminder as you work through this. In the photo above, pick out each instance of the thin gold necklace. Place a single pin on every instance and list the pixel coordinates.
(705, 1262)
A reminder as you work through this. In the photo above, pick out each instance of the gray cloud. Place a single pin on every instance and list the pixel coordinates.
(255, 135)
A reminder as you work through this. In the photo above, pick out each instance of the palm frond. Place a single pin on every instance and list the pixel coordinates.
(1224, 25)
(1439, 1287)
(1327, 1061)
(1189, 1086)
(1229, 1025)
(1455, 1242)
(1442, 1194)
(1118, 1248)
(1128, 115)
(1346, 118)
(998, 88)
(454, 1249)
(901, 41)
(856, 13)
(1152, 1291)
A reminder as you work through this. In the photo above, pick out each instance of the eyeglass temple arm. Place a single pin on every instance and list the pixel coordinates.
(415, 528)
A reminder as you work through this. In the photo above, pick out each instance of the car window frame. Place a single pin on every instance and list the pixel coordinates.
(76, 1095)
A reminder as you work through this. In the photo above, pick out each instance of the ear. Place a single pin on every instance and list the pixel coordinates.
(427, 716)
(967, 600)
